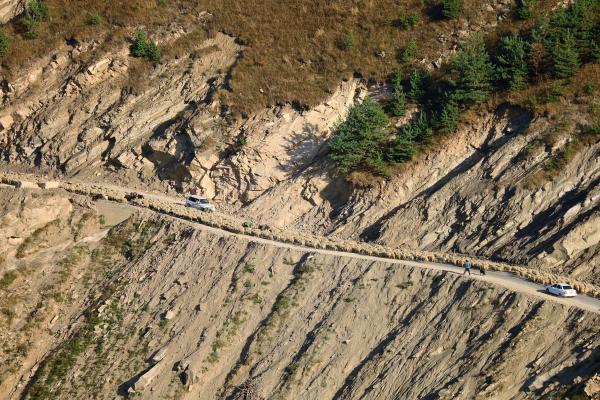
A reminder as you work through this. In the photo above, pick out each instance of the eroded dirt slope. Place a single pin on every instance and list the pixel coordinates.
(182, 313)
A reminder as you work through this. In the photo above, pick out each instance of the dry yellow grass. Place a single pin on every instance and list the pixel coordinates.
(293, 52)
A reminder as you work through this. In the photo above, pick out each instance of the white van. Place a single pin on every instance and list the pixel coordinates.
(199, 203)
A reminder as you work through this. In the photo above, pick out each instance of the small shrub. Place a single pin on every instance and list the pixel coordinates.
(347, 41)
(451, 9)
(241, 141)
(590, 88)
(8, 278)
(411, 51)
(291, 369)
(558, 161)
(35, 12)
(406, 21)
(595, 128)
(525, 9)
(96, 20)
(282, 304)
(419, 129)
(417, 82)
(398, 107)
(248, 268)
(404, 146)
(145, 48)
(449, 117)
(4, 44)
(555, 92)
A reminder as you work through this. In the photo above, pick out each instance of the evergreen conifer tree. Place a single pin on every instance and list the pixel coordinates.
(565, 57)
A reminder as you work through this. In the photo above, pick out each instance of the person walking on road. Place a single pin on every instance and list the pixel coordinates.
(467, 267)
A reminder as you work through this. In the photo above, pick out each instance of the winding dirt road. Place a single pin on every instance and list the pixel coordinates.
(503, 279)
(116, 212)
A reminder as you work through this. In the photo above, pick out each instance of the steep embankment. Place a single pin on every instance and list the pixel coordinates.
(488, 190)
(47, 240)
(179, 313)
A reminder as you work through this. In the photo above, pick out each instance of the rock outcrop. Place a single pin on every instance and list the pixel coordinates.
(9, 9)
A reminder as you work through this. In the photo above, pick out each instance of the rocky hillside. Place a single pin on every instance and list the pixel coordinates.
(176, 313)
(241, 102)
(485, 190)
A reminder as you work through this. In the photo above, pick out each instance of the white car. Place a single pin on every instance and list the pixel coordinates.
(562, 290)
(199, 203)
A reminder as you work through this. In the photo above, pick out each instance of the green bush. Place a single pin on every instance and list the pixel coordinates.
(525, 9)
(511, 61)
(402, 148)
(347, 41)
(595, 128)
(35, 12)
(472, 73)
(449, 117)
(398, 108)
(452, 8)
(4, 44)
(565, 57)
(411, 51)
(358, 141)
(555, 92)
(578, 25)
(420, 129)
(144, 47)
(417, 82)
(406, 21)
(96, 20)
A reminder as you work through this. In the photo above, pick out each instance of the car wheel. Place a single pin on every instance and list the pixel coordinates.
(547, 290)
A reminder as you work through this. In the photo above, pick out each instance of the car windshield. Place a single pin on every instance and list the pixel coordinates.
(567, 287)
(203, 201)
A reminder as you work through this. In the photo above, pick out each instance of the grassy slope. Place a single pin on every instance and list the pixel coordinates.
(293, 52)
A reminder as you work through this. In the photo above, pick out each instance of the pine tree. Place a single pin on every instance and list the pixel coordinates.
(399, 98)
(511, 61)
(473, 73)
(359, 141)
(144, 47)
(416, 83)
(565, 57)
(401, 149)
(418, 130)
(410, 51)
(449, 117)
(452, 8)
(525, 9)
